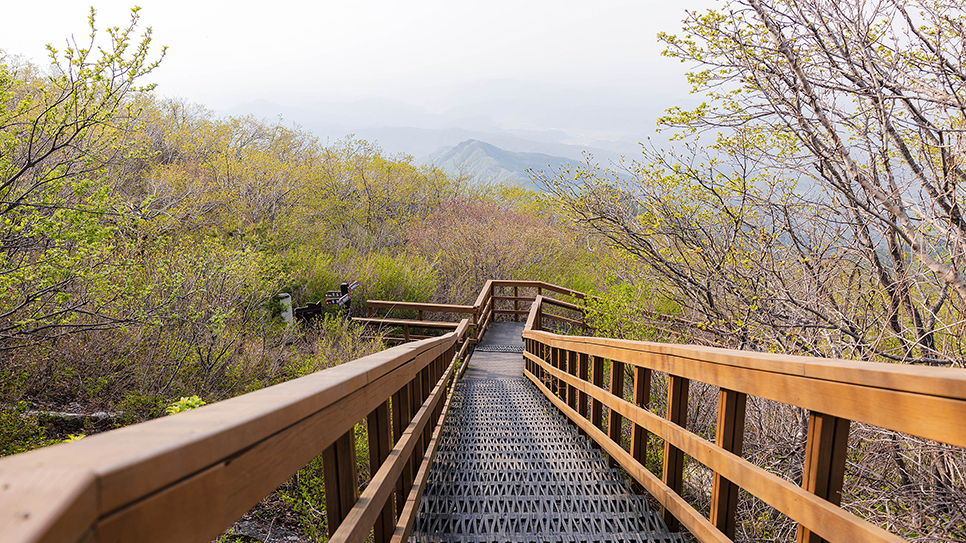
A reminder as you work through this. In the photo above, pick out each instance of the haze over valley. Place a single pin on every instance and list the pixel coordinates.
(492, 130)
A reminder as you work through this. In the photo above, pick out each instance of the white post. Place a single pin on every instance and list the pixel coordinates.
(286, 300)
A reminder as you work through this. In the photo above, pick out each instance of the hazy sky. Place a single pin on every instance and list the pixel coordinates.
(223, 53)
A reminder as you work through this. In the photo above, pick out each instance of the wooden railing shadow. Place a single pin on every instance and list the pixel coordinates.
(922, 401)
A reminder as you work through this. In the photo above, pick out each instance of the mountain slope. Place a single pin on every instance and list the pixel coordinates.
(488, 163)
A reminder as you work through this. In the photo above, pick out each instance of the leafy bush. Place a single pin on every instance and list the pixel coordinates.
(20, 432)
(186, 403)
(404, 277)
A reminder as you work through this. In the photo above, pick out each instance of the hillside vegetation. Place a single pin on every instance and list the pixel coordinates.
(810, 207)
(146, 240)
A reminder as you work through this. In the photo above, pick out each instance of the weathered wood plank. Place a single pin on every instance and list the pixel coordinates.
(642, 398)
(439, 308)
(380, 426)
(407, 322)
(942, 382)
(339, 470)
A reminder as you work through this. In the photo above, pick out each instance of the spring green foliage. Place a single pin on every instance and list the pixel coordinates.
(20, 432)
(145, 241)
(59, 214)
(185, 403)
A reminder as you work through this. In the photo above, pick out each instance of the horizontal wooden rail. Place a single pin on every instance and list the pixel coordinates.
(414, 306)
(540, 286)
(922, 401)
(484, 309)
(421, 309)
(439, 325)
(537, 315)
(407, 327)
(188, 477)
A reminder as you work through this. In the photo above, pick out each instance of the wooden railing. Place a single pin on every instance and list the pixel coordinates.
(405, 329)
(188, 477)
(490, 303)
(922, 401)
(399, 330)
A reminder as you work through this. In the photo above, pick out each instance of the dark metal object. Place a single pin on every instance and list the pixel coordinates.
(341, 297)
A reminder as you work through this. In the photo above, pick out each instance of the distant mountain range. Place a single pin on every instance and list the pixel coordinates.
(494, 133)
(489, 163)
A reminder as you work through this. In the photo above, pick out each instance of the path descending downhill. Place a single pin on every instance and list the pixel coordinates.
(510, 468)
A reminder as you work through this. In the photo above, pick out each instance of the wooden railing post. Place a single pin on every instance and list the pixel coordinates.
(339, 472)
(615, 420)
(677, 412)
(730, 437)
(516, 304)
(546, 354)
(491, 302)
(596, 407)
(561, 362)
(379, 446)
(415, 401)
(824, 472)
(583, 372)
(642, 398)
(402, 415)
(427, 387)
(572, 370)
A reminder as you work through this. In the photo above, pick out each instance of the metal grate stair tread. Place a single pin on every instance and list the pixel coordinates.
(484, 348)
(510, 468)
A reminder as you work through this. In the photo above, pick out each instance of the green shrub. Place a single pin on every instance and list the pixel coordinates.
(20, 432)
(404, 277)
(186, 403)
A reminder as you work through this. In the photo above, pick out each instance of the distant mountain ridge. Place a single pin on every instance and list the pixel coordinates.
(486, 135)
(489, 163)
(401, 128)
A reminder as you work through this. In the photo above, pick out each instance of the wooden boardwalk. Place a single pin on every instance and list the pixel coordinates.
(484, 454)
(510, 468)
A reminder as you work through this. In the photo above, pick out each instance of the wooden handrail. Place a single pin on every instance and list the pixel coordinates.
(415, 306)
(540, 285)
(923, 401)
(483, 309)
(190, 476)
(439, 325)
